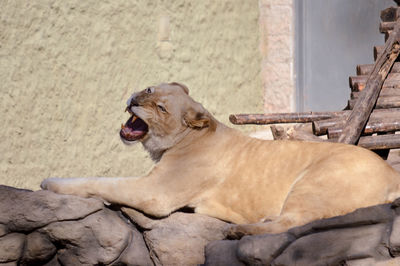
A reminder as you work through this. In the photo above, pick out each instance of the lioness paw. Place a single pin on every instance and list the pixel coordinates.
(234, 232)
(51, 183)
(241, 230)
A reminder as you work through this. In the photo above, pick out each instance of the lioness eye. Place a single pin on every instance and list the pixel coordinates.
(162, 108)
(149, 90)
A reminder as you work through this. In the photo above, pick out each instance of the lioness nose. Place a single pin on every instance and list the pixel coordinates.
(132, 101)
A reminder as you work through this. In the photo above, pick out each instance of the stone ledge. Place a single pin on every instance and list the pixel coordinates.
(367, 236)
(44, 228)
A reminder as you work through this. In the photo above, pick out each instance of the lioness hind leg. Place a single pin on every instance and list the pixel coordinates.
(325, 191)
(281, 224)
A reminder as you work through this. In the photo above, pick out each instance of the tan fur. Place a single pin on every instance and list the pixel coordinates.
(222, 173)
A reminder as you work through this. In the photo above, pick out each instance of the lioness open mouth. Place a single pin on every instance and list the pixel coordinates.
(134, 129)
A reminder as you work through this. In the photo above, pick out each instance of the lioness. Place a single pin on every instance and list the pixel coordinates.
(201, 163)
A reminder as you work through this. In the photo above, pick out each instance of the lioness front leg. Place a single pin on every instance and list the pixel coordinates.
(147, 194)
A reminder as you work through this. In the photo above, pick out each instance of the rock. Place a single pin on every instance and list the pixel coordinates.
(3, 230)
(50, 229)
(53, 262)
(394, 240)
(140, 219)
(221, 253)
(136, 253)
(11, 247)
(14, 263)
(99, 238)
(38, 249)
(373, 262)
(262, 249)
(180, 239)
(33, 210)
(66, 230)
(334, 246)
(364, 216)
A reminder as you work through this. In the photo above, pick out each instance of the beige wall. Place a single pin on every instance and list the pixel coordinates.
(67, 68)
(277, 50)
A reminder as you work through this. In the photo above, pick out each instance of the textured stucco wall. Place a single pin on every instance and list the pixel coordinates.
(67, 68)
(277, 50)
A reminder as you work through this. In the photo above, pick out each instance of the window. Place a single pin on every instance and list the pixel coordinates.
(332, 38)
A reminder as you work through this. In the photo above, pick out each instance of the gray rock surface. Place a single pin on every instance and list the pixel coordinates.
(332, 247)
(364, 216)
(99, 238)
(43, 228)
(34, 210)
(368, 236)
(11, 247)
(181, 238)
(261, 250)
(221, 253)
(38, 249)
(395, 237)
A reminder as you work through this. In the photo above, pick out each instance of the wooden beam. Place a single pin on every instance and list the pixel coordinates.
(386, 26)
(392, 81)
(278, 132)
(382, 142)
(385, 92)
(381, 120)
(390, 14)
(378, 50)
(366, 102)
(367, 69)
(379, 142)
(387, 35)
(382, 102)
(276, 118)
(335, 127)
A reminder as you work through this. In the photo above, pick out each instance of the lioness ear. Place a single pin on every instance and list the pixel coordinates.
(197, 117)
(184, 87)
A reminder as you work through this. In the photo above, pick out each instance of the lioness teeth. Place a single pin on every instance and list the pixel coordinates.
(134, 118)
(122, 126)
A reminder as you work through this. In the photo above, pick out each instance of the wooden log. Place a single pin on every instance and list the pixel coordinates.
(374, 143)
(387, 84)
(378, 115)
(303, 135)
(321, 127)
(368, 98)
(382, 103)
(386, 26)
(378, 50)
(367, 69)
(387, 35)
(357, 79)
(278, 132)
(392, 81)
(335, 127)
(390, 14)
(358, 87)
(385, 92)
(382, 142)
(276, 118)
(383, 153)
